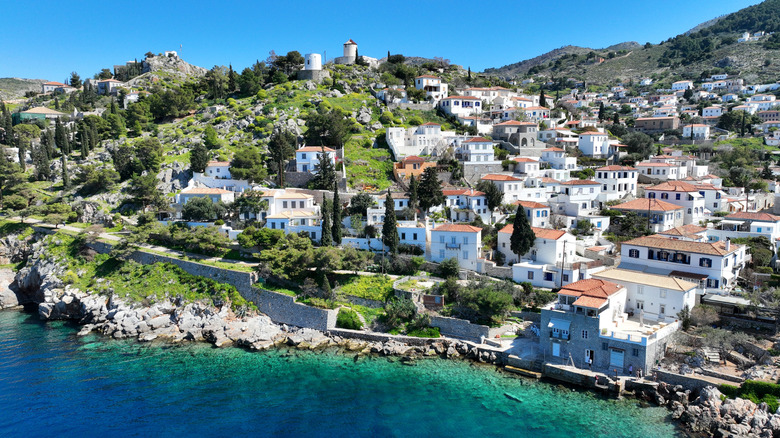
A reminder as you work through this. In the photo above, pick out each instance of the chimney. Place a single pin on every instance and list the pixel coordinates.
(728, 244)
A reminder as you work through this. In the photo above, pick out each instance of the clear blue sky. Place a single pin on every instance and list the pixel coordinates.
(48, 40)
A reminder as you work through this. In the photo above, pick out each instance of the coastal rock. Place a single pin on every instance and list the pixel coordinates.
(8, 297)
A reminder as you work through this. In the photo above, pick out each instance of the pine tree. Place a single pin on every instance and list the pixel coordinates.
(542, 98)
(327, 237)
(389, 228)
(65, 176)
(336, 215)
(413, 197)
(326, 172)
(616, 119)
(523, 237)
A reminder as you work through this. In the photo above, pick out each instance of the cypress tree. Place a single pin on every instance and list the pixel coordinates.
(469, 79)
(65, 176)
(231, 79)
(413, 198)
(22, 146)
(389, 228)
(601, 112)
(83, 134)
(41, 163)
(61, 137)
(615, 119)
(542, 99)
(327, 238)
(56, 103)
(429, 190)
(336, 215)
(523, 237)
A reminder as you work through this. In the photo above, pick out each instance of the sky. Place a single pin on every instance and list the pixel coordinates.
(48, 40)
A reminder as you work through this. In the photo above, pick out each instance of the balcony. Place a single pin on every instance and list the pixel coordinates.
(452, 245)
(559, 335)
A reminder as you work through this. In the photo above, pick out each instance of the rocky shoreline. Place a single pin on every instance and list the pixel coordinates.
(702, 413)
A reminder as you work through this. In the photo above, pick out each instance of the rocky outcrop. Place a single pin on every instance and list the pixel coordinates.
(40, 274)
(8, 297)
(711, 413)
(90, 212)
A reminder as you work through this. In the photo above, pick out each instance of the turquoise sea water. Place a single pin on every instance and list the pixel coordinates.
(53, 383)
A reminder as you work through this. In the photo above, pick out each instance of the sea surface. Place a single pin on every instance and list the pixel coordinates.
(54, 383)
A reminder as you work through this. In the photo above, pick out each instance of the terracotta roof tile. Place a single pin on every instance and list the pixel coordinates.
(458, 228)
(645, 204)
(660, 242)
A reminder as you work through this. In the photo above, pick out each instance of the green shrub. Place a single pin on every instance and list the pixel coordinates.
(773, 352)
(428, 332)
(348, 319)
(449, 268)
(377, 287)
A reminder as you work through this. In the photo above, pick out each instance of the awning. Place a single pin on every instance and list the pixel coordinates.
(560, 324)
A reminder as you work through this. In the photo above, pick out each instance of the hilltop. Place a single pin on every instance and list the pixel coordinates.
(710, 45)
(14, 88)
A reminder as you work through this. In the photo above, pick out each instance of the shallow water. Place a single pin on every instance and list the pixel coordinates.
(53, 382)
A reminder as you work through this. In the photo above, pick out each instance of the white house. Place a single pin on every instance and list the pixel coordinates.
(537, 113)
(712, 111)
(662, 171)
(475, 150)
(538, 214)
(697, 131)
(661, 215)
(577, 198)
(616, 181)
(657, 297)
(425, 139)
(48, 87)
(510, 186)
(216, 195)
(682, 85)
(683, 194)
(434, 88)
(461, 105)
(466, 204)
(218, 169)
(463, 242)
(557, 159)
(307, 158)
(593, 144)
(714, 266)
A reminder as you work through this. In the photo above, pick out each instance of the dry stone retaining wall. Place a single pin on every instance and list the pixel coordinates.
(460, 328)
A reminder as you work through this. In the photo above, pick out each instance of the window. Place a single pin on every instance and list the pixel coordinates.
(635, 352)
(303, 156)
(414, 236)
(566, 277)
(584, 334)
(548, 276)
(640, 290)
(441, 239)
(689, 211)
(530, 275)
(465, 240)
(441, 254)
(284, 204)
(677, 197)
(604, 346)
(651, 195)
(633, 253)
(663, 310)
(403, 236)
(705, 262)
(465, 255)
(664, 196)
(712, 283)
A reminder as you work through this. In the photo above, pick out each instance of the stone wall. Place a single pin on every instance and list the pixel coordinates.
(472, 172)
(297, 179)
(364, 302)
(460, 328)
(313, 75)
(242, 281)
(380, 337)
(687, 381)
(415, 106)
(499, 271)
(282, 309)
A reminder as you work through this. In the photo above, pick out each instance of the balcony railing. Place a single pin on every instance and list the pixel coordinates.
(452, 245)
(559, 335)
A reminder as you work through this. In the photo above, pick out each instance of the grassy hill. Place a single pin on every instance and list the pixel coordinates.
(710, 46)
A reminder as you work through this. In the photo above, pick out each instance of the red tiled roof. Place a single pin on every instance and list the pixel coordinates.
(218, 163)
(615, 167)
(315, 149)
(431, 124)
(427, 76)
(498, 177)
(204, 191)
(530, 204)
(674, 186)
(763, 217)
(660, 242)
(462, 97)
(413, 158)
(466, 192)
(524, 160)
(458, 228)
(477, 140)
(645, 204)
(553, 150)
(515, 123)
(591, 292)
(350, 42)
(580, 182)
(684, 230)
